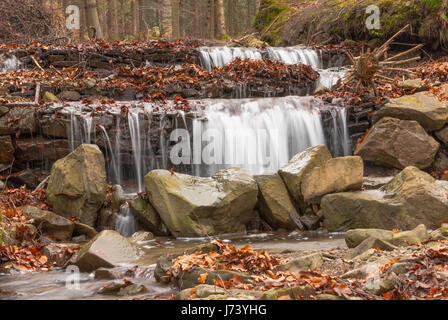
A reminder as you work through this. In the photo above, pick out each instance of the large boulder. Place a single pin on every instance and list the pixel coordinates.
(413, 197)
(50, 224)
(107, 250)
(423, 107)
(274, 202)
(77, 186)
(335, 175)
(196, 207)
(302, 163)
(398, 143)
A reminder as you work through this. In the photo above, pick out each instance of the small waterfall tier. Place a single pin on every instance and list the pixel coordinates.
(259, 135)
(220, 56)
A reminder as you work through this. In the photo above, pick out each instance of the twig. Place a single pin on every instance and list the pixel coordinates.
(37, 63)
(41, 184)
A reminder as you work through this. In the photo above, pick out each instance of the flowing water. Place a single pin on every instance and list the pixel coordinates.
(259, 135)
(58, 284)
(220, 56)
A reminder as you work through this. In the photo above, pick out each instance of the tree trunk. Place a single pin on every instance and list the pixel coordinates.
(114, 34)
(167, 30)
(175, 17)
(196, 27)
(92, 19)
(221, 19)
(212, 19)
(135, 19)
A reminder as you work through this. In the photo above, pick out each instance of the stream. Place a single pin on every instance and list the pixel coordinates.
(51, 285)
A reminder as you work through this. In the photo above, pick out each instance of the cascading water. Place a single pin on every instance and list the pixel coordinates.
(296, 55)
(10, 64)
(260, 135)
(126, 224)
(221, 56)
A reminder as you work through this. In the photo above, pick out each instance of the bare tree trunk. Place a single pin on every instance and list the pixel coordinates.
(221, 19)
(135, 19)
(92, 18)
(175, 17)
(113, 20)
(167, 30)
(212, 19)
(197, 31)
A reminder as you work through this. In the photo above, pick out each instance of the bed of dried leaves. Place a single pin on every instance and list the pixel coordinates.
(422, 280)
(24, 254)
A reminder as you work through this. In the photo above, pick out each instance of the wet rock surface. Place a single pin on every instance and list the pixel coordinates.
(191, 206)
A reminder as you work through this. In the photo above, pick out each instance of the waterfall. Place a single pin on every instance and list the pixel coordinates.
(261, 135)
(10, 64)
(134, 129)
(126, 223)
(296, 55)
(221, 56)
(329, 77)
(257, 134)
(113, 156)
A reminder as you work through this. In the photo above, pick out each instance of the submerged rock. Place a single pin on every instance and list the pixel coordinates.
(335, 175)
(413, 197)
(107, 250)
(77, 186)
(294, 172)
(274, 202)
(196, 207)
(398, 143)
(423, 107)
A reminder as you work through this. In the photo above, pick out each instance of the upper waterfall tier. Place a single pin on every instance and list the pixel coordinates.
(221, 56)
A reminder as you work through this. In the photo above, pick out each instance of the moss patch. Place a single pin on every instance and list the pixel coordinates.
(283, 22)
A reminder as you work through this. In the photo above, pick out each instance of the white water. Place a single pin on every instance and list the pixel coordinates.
(261, 135)
(220, 56)
(296, 55)
(10, 64)
(126, 224)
